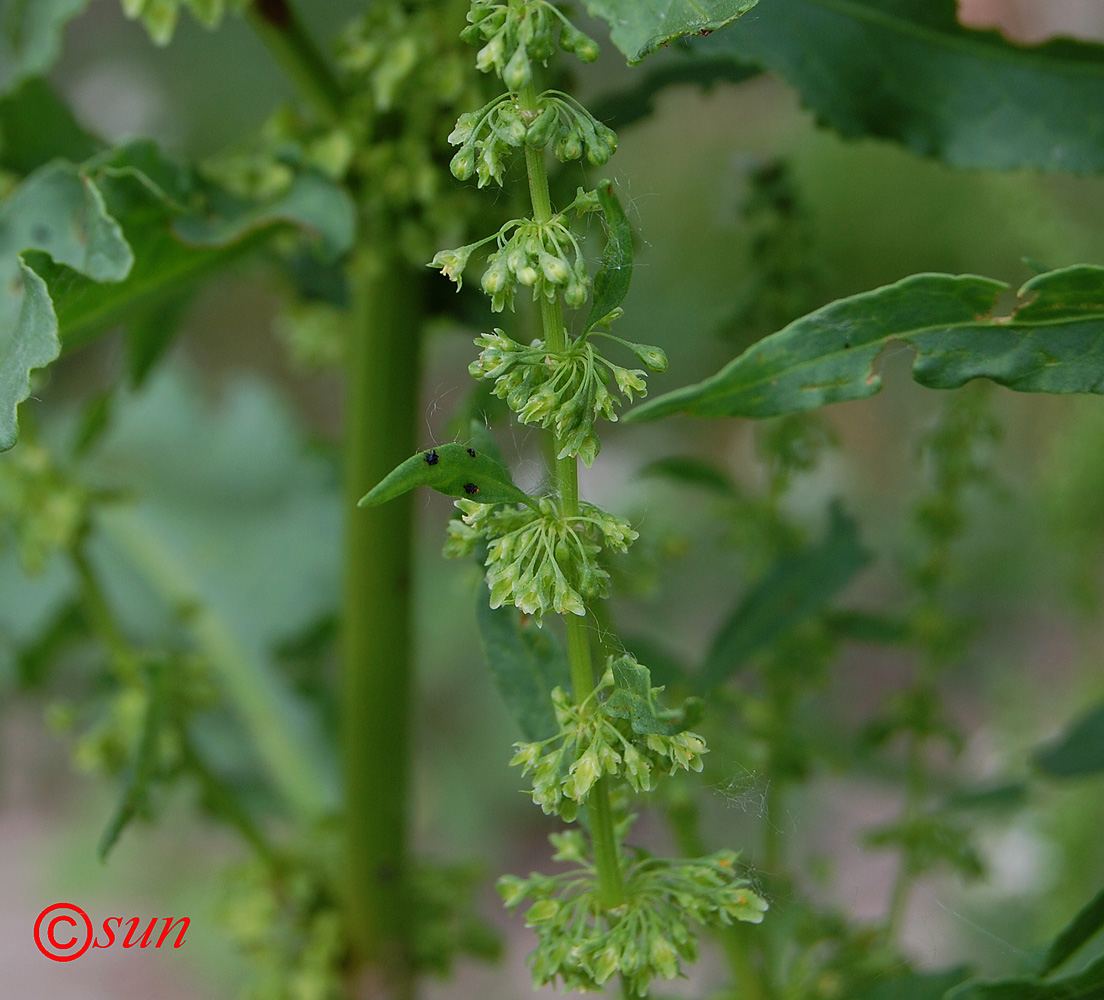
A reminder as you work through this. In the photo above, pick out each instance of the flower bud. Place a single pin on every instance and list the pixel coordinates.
(540, 911)
(653, 357)
(495, 279)
(575, 294)
(569, 146)
(510, 127)
(540, 132)
(574, 40)
(518, 71)
(463, 163)
(555, 270)
(490, 55)
(465, 128)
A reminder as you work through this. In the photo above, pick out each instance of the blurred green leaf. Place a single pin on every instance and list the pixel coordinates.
(906, 70)
(32, 31)
(1084, 926)
(69, 237)
(690, 471)
(639, 27)
(868, 626)
(234, 535)
(913, 986)
(1052, 342)
(626, 107)
(452, 469)
(56, 211)
(611, 283)
(526, 662)
(797, 588)
(1078, 751)
(36, 126)
(144, 768)
(1086, 985)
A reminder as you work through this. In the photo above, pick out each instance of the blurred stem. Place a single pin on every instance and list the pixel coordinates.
(376, 669)
(914, 797)
(278, 26)
(599, 811)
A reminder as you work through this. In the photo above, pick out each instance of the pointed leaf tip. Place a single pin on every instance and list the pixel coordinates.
(453, 469)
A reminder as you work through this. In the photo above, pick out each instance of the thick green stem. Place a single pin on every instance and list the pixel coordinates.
(376, 673)
(279, 27)
(599, 811)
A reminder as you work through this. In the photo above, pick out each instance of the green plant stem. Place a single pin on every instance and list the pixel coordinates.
(279, 27)
(600, 812)
(914, 796)
(376, 671)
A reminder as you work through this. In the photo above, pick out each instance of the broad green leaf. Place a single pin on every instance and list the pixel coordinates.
(639, 27)
(1079, 751)
(143, 769)
(1084, 926)
(1086, 985)
(1053, 342)
(124, 235)
(633, 699)
(36, 126)
(611, 283)
(32, 31)
(526, 662)
(797, 588)
(623, 108)
(452, 469)
(56, 211)
(906, 70)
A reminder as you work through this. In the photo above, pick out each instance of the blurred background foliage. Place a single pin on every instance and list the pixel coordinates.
(748, 215)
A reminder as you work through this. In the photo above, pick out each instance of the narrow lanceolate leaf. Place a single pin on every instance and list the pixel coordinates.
(906, 70)
(611, 283)
(1079, 751)
(1052, 342)
(526, 662)
(797, 588)
(452, 469)
(639, 27)
(1085, 926)
(1086, 985)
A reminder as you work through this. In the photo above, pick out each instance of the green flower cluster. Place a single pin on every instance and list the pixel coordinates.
(540, 560)
(593, 741)
(645, 938)
(543, 256)
(510, 36)
(565, 392)
(487, 136)
(42, 510)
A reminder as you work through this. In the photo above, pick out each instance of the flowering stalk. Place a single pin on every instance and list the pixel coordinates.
(615, 914)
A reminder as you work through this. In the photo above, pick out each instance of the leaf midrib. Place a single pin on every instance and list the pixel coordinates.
(879, 342)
